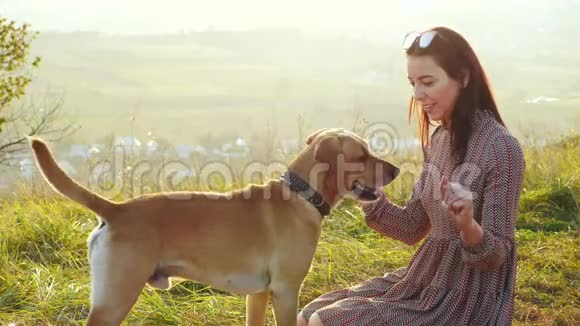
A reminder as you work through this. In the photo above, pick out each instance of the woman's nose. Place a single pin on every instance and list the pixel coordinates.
(418, 93)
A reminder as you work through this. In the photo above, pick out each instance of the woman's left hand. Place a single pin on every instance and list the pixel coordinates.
(459, 202)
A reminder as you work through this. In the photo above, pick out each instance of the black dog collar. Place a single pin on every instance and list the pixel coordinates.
(302, 187)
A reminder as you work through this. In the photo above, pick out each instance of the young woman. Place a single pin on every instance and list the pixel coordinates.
(465, 203)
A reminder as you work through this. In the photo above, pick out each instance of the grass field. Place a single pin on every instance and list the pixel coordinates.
(44, 272)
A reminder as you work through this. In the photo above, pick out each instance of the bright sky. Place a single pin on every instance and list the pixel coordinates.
(377, 20)
(146, 16)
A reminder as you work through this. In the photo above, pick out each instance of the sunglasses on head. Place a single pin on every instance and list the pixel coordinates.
(424, 39)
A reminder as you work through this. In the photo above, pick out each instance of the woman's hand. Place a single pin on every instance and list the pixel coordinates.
(459, 202)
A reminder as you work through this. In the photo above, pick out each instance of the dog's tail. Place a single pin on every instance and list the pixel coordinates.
(65, 185)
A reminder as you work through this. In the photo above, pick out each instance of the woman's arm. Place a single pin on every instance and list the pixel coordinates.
(486, 246)
(408, 224)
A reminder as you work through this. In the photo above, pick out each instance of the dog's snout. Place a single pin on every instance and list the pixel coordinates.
(390, 172)
(395, 172)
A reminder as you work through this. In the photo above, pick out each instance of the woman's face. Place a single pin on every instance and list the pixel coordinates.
(432, 87)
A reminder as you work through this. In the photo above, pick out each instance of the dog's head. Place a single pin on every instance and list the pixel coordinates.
(351, 167)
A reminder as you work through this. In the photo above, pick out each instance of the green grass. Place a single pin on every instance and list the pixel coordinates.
(44, 276)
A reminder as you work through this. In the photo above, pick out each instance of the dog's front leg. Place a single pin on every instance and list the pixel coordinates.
(285, 301)
(256, 306)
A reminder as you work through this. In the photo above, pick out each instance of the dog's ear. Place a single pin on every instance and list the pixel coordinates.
(327, 150)
(314, 134)
(353, 150)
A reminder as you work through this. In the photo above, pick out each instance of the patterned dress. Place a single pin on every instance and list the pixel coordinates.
(445, 283)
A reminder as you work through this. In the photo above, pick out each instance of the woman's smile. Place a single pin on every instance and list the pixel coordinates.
(428, 107)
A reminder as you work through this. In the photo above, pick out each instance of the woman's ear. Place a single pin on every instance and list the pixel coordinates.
(466, 76)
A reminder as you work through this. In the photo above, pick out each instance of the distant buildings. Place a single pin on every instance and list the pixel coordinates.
(95, 162)
(541, 99)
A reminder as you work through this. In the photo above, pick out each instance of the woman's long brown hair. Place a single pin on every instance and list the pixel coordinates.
(454, 54)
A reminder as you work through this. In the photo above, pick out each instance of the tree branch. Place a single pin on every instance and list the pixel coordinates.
(32, 120)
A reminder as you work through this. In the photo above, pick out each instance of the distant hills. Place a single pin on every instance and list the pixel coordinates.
(189, 84)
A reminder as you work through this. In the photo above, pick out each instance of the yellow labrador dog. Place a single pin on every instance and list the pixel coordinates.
(257, 241)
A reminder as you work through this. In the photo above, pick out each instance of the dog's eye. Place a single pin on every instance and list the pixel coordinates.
(363, 157)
